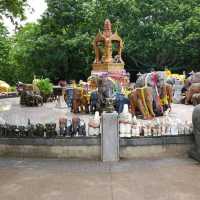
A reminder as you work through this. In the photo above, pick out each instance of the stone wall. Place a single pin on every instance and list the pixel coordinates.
(89, 148)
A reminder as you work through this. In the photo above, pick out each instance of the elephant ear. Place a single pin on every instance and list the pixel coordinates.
(196, 78)
(140, 82)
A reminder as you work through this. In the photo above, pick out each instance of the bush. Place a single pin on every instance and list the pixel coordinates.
(12, 89)
(45, 86)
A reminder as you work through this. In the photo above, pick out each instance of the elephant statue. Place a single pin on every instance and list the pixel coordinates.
(76, 101)
(120, 101)
(39, 130)
(193, 89)
(195, 99)
(141, 100)
(75, 125)
(50, 129)
(93, 101)
(105, 88)
(80, 100)
(161, 91)
(82, 128)
(166, 96)
(22, 131)
(84, 101)
(29, 98)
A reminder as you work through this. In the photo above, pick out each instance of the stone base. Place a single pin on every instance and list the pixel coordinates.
(108, 67)
(194, 154)
(89, 147)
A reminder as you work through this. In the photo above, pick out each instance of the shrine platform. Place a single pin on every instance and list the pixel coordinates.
(84, 147)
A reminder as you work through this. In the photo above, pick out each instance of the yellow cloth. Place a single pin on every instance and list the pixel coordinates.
(4, 87)
(164, 100)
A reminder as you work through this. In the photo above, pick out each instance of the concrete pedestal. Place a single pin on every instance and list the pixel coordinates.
(110, 137)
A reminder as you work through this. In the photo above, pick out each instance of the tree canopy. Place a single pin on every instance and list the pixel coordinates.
(156, 34)
(13, 9)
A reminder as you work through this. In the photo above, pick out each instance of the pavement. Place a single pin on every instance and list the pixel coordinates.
(174, 178)
(12, 112)
(164, 178)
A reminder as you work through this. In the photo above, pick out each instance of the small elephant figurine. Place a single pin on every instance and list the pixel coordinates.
(2, 130)
(30, 129)
(39, 130)
(22, 131)
(68, 128)
(50, 130)
(62, 125)
(82, 128)
(93, 101)
(75, 125)
(11, 130)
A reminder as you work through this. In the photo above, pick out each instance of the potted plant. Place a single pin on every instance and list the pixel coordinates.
(45, 87)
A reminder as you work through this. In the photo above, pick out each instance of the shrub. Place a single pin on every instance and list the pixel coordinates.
(45, 86)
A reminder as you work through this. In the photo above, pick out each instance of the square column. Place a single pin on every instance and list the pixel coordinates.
(110, 137)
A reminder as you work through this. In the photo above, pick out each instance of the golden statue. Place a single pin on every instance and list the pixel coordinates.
(103, 46)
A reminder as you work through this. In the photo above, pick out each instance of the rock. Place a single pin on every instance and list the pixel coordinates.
(195, 153)
(196, 124)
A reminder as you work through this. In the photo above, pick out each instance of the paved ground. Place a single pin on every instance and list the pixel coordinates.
(144, 179)
(152, 179)
(13, 113)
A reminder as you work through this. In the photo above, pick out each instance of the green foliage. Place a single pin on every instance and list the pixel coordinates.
(45, 86)
(24, 54)
(12, 89)
(13, 8)
(5, 46)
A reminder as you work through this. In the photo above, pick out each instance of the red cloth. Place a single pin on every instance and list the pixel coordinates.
(154, 78)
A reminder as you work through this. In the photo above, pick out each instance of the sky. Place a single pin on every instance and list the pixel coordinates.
(38, 6)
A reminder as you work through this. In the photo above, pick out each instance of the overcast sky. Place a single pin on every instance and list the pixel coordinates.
(39, 7)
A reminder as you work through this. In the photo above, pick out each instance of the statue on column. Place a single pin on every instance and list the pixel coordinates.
(106, 39)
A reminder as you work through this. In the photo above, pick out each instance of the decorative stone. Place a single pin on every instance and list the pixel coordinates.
(195, 153)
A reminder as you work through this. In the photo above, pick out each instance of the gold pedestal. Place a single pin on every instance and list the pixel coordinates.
(108, 67)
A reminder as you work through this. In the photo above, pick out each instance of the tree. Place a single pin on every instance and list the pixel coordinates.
(23, 55)
(13, 8)
(4, 54)
(156, 34)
